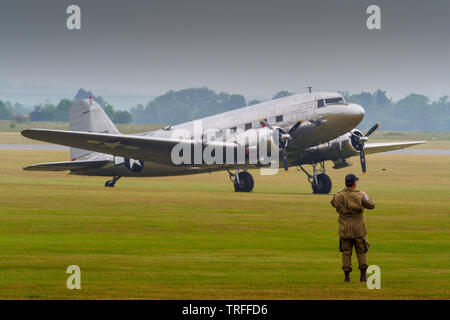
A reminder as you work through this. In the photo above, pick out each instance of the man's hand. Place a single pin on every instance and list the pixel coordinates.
(367, 202)
(365, 195)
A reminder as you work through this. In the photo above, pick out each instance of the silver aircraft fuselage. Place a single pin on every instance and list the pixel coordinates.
(325, 116)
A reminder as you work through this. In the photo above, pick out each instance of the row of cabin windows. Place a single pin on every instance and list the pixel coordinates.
(320, 103)
(249, 125)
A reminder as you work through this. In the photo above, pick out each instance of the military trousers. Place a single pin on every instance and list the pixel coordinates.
(346, 247)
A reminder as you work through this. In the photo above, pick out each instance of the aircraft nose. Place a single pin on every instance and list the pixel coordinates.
(356, 111)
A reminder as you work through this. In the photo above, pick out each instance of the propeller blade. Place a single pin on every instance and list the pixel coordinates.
(294, 127)
(285, 160)
(375, 127)
(362, 157)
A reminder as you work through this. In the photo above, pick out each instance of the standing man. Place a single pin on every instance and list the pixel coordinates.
(350, 204)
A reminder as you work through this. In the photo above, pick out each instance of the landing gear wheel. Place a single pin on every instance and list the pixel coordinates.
(245, 184)
(323, 185)
(112, 183)
(109, 184)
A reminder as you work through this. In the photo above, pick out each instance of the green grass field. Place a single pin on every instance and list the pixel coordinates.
(194, 238)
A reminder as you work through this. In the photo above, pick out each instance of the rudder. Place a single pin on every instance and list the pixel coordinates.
(88, 116)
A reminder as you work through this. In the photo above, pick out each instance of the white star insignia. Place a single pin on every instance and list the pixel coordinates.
(133, 161)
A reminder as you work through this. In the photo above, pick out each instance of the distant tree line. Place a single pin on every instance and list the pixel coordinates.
(10, 111)
(415, 112)
(60, 111)
(189, 104)
(184, 105)
(51, 112)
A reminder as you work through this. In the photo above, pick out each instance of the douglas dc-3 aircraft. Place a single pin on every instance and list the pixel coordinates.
(307, 128)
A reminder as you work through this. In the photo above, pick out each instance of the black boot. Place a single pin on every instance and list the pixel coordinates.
(363, 275)
(347, 276)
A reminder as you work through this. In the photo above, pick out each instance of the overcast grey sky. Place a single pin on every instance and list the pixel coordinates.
(253, 47)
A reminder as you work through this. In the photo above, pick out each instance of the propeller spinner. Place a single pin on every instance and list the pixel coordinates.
(283, 138)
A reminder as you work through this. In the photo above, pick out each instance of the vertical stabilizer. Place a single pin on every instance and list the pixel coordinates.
(88, 116)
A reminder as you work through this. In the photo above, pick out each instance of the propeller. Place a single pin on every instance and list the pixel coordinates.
(360, 140)
(283, 138)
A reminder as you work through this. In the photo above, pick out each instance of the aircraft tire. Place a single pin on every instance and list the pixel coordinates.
(246, 182)
(109, 184)
(324, 184)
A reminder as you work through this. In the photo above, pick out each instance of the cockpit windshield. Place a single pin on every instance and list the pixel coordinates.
(324, 102)
(334, 100)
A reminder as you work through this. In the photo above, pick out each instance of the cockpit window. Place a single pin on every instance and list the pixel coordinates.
(320, 103)
(334, 100)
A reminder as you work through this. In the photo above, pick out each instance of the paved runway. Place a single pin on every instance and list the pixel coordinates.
(32, 147)
(440, 152)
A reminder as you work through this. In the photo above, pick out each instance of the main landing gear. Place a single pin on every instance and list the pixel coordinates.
(111, 183)
(242, 181)
(320, 181)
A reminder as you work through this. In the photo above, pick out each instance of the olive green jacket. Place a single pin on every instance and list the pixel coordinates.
(350, 205)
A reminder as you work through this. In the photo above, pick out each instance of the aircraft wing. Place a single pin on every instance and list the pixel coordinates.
(337, 153)
(68, 165)
(375, 147)
(154, 149)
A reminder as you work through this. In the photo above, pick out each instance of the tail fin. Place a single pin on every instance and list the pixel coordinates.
(88, 116)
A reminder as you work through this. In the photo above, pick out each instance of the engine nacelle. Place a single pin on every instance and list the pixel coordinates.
(336, 150)
(253, 138)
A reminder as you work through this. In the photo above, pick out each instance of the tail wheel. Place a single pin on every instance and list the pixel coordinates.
(245, 184)
(323, 185)
(111, 183)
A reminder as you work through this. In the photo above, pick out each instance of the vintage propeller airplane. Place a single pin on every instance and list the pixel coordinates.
(307, 128)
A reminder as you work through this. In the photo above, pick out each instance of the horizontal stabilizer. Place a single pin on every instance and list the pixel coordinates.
(68, 165)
